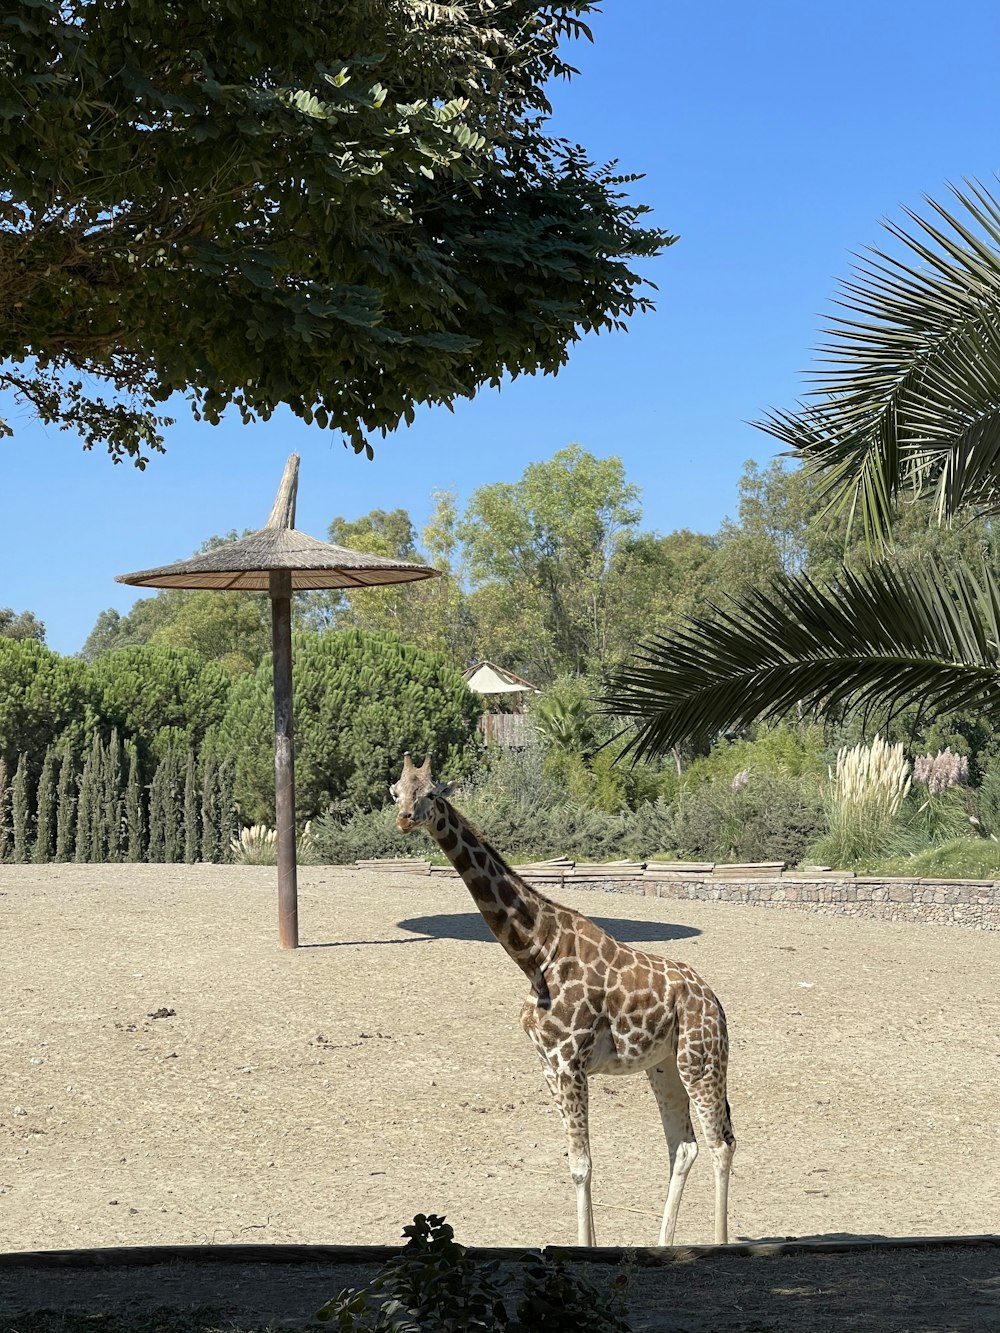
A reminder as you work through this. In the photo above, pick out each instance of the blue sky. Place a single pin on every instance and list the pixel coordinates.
(774, 137)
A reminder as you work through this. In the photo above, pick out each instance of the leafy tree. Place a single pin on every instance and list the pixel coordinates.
(43, 697)
(26, 625)
(159, 697)
(209, 812)
(909, 403)
(228, 815)
(539, 555)
(166, 811)
(232, 628)
(346, 208)
(360, 700)
(112, 798)
(777, 511)
(380, 532)
(657, 581)
(431, 613)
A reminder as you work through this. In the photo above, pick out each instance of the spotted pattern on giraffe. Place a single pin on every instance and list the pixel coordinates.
(597, 1006)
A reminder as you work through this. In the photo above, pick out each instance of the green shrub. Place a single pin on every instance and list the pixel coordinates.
(756, 819)
(344, 835)
(779, 751)
(435, 1286)
(651, 827)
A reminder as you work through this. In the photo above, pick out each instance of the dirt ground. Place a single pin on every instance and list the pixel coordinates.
(169, 1076)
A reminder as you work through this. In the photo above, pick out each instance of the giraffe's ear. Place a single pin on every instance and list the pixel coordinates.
(444, 789)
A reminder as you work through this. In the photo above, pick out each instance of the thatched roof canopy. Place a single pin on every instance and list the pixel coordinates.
(246, 564)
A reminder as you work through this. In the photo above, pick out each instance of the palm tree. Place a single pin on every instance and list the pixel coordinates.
(907, 403)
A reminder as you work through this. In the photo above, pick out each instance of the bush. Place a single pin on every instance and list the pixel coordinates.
(344, 835)
(759, 819)
(524, 814)
(865, 807)
(780, 751)
(434, 1286)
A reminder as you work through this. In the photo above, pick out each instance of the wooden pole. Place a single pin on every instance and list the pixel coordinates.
(280, 589)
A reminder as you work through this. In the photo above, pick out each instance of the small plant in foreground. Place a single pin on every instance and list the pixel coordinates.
(434, 1286)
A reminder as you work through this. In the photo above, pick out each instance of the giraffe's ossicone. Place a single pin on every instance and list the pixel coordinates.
(597, 1006)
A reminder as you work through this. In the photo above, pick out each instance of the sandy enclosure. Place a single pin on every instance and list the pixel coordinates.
(168, 1075)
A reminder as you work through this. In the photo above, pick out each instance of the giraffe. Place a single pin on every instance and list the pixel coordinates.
(596, 1007)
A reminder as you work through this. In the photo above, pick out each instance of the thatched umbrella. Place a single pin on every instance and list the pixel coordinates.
(280, 560)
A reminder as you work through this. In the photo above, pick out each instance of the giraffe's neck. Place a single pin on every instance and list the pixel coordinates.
(523, 920)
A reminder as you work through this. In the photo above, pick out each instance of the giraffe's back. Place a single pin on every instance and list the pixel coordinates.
(614, 1009)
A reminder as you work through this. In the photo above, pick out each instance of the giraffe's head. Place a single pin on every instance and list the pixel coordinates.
(415, 793)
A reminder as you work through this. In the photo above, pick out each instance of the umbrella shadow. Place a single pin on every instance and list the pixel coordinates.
(353, 944)
(471, 926)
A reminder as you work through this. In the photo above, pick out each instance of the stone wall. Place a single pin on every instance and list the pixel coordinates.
(971, 903)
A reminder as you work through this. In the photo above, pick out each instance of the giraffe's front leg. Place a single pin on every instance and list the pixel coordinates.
(569, 1088)
(572, 1098)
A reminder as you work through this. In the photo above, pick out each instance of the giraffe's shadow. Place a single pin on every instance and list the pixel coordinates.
(471, 926)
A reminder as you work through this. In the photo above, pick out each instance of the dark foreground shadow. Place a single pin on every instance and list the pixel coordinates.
(945, 1286)
(471, 926)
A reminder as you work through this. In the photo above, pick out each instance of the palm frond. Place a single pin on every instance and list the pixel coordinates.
(909, 395)
(886, 637)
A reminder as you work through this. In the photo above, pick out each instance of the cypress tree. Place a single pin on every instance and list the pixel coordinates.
(173, 831)
(228, 815)
(5, 840)
(65, 808)
(158, 813)
(88, 807)
(135, 818)
(20, 813)
(190, 810)
(209, 810)
(112, 798)
(45, 820)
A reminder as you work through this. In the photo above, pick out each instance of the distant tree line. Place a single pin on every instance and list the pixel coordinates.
(95, 807)
(552, 576)
(153, 753)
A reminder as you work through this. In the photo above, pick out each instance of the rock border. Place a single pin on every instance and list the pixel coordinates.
(970, 903)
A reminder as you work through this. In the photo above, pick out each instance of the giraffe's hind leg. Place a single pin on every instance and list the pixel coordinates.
(682, 1147)
(708, 1096)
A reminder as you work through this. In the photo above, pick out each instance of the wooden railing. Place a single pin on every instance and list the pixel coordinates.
(512, 730)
